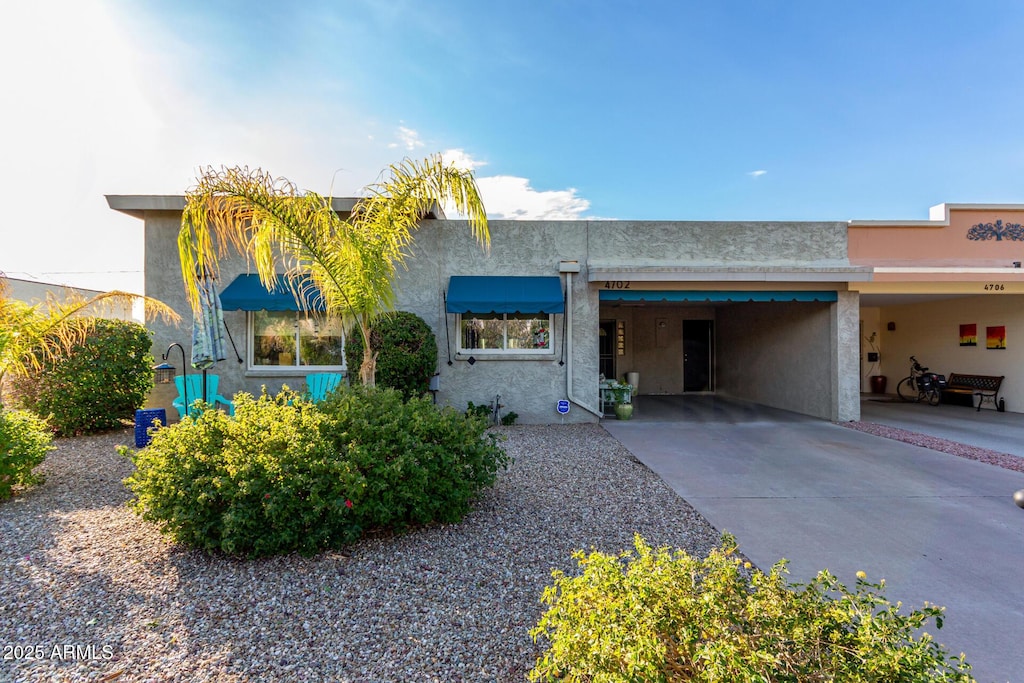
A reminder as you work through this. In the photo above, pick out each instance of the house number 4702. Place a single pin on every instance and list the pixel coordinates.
(616, 284)
(992, 287)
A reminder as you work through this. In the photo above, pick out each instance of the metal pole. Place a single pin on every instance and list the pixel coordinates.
(184, 372)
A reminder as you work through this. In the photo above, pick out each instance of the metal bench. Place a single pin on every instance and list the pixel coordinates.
(985, 387)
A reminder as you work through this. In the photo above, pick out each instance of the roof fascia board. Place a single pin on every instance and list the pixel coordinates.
(726, 274)
(137, 205)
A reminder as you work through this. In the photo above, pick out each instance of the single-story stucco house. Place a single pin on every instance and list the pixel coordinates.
(779, 313)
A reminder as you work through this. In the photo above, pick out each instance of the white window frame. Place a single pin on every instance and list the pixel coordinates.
(296, 368)
(504, 352)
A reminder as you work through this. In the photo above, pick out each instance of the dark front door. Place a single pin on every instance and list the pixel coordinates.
(698, 355)
(606, 348)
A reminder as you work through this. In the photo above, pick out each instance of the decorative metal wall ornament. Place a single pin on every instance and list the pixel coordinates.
(997, 231)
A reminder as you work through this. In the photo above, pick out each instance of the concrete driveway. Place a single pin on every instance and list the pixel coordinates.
(936, 527)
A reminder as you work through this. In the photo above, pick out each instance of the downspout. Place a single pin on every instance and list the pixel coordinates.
(570, 267)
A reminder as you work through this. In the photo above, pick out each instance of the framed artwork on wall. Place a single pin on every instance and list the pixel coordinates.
(995, 337)
(969, 335)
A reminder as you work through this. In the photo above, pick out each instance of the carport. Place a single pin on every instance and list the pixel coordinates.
(933, 325)
(781, 336)
(940, 288)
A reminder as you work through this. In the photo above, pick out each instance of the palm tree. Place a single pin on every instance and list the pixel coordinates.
(351, 262)
(33, 334)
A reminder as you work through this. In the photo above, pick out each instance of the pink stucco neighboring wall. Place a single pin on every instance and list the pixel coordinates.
(936, 242)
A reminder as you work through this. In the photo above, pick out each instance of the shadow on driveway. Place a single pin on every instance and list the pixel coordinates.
(936, 527)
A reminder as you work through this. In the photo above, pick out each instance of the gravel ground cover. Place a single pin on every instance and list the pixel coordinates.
(1004, 460)
(90, 592)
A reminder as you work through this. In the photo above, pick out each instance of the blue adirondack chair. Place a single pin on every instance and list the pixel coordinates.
(319, 384)
(195, 392)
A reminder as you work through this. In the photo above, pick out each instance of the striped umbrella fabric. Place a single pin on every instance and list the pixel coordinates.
(208, 332)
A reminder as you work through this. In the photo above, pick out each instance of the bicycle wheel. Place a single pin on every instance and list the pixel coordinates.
(934, 396)
(907, 390)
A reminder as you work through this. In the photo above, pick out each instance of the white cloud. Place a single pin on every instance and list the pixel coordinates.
(512, 197)
(757, 174)
(408, 138)
(461, 159)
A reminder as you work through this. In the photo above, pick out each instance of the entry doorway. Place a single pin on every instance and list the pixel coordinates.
(606, 349)
(698, 355)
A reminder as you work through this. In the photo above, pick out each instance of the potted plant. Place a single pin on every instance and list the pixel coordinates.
(622, 396)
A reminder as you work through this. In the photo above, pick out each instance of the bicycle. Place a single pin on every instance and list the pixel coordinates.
(921, 385)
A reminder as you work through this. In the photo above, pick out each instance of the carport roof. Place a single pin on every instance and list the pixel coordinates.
(654, 270)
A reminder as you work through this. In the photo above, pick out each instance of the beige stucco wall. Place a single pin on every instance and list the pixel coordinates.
(718, 242)
(529, 385)
(870, 317)
(778, 355)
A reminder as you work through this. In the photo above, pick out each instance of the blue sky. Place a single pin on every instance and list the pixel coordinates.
(785, 110)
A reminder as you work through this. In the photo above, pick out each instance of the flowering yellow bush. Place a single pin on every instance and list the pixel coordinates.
(660, 616)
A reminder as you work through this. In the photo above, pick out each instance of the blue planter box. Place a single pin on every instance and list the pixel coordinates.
(144, 419)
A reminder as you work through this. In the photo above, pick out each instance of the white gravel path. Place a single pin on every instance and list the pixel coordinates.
(89, 592)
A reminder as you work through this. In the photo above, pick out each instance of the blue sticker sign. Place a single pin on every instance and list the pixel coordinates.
(563, 407)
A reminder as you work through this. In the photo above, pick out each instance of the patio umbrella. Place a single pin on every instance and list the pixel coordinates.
(208, 330)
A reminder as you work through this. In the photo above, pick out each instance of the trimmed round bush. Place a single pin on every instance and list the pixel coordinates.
(654, 615)
(287, 475)
(97, 385)
(406, 352)
(24, 442)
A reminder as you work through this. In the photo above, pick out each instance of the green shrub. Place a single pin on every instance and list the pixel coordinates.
(263, 482)
(97, 384)
(486, 411)
(286, 475)
(482, 410)
(24, 443)
(659, 616)
(420, 463)
(406, 352)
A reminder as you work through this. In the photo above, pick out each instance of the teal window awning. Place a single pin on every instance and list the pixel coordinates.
(505, 294)
(247, 293)
(713, 296)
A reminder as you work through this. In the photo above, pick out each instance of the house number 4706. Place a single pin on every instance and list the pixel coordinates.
(992, 287)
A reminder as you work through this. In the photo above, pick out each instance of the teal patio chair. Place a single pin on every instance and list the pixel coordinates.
(195, 392)
(319, 384)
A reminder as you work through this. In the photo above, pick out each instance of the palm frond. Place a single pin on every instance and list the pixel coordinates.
(31, 334)
(351, 263)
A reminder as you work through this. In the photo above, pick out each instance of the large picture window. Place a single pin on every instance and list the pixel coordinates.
(505, 333)
(292, 339)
